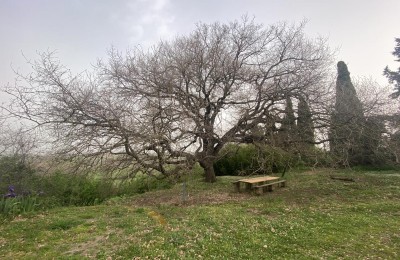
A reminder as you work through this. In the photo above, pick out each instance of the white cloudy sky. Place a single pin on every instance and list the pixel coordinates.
(82, 30)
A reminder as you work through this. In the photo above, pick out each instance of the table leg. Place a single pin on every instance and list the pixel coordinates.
(237, 185)
(248, 186)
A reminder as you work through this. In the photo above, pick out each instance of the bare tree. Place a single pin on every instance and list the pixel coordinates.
(179, 102)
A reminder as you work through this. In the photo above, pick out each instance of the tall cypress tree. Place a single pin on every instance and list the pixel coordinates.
(347, 122)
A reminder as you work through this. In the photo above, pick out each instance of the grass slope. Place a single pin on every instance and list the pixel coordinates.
(314, 217)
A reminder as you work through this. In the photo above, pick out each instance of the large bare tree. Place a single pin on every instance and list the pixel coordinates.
(179, 102)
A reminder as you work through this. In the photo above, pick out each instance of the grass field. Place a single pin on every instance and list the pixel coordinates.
(314, 217)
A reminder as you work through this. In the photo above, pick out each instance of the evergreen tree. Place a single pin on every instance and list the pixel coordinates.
(394, 76)
(347, 120)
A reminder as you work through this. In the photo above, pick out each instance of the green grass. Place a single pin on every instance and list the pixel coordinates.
(314, 217)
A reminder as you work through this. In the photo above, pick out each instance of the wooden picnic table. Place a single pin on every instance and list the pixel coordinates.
(258, 183)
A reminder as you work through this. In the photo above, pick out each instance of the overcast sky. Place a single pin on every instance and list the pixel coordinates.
(83, 30)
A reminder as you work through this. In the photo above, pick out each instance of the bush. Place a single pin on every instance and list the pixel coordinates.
(245, 159)
(77, 190)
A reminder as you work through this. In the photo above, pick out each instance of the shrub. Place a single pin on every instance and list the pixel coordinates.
(245, 159)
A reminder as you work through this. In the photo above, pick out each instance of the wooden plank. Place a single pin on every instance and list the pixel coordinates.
(259, 179)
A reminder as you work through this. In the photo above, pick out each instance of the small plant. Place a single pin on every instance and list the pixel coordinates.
(11, 207)
(11, 192)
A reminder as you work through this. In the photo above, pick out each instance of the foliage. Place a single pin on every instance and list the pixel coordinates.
(361, 134)
(347, 121)
(246, 159)
(394, 76)
(54, 189)
(374, 149)
(314, 217)
(16, 172)
(77, 190)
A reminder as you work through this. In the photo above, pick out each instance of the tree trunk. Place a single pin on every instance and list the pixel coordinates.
(209, 172)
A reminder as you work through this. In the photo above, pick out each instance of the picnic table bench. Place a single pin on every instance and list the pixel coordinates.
(259, 184)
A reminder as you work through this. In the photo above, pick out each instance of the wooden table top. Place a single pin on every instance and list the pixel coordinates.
(259, 179)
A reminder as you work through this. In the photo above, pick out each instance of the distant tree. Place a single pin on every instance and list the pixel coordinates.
(305, 126)
(394, 76)
(178, 103)
(288, 130)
